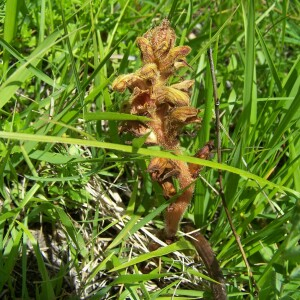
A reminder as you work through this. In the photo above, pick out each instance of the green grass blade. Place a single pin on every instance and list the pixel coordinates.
(291, 116)
(47, 288)
(114, 116)
(180, 245)
(150, 152)
(249, 106)
(10, 254)
(10, 26)
(134, 278)
(133, 225)
(269, 60)
(112, 35)
(9, 87)
(214, 38)
(34, 70)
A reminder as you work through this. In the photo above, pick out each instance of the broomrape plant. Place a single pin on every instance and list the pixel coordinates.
(169, 109)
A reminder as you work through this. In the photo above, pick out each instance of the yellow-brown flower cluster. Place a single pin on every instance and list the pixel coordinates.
(166, 105)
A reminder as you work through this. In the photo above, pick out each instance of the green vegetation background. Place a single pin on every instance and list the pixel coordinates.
(70, 186)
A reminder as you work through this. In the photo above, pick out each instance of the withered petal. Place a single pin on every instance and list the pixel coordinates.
(203, 153)
(170, 95)
(140, 102)
(174, 55)
(162, 50)
(185, 114)
(146, 50)
(181, 63)
(129, 81)
(162, 168)
(184, 85)
(168, 189)
(149, 72)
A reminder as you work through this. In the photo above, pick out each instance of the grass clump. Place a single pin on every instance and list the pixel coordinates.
(78, 208)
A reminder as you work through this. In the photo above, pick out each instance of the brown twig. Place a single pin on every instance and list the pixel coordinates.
(220, 175)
